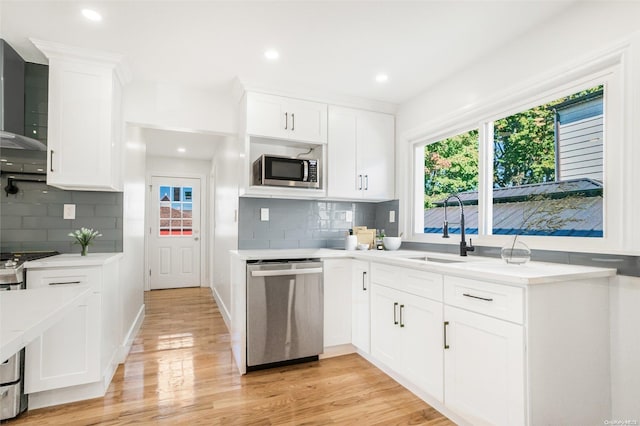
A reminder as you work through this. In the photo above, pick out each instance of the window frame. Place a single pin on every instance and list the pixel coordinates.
(608, 70)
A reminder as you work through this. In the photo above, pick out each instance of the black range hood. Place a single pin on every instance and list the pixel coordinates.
(12, 89)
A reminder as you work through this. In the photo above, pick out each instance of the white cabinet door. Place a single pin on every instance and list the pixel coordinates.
(344, 181)
(376, 155)
(384, 325)
(307, 121)
(85, 126)
(337, 302)
(69, 352)
(361, 154)
(285, 118)
(484, 368)
(420, 347)
(361, 314)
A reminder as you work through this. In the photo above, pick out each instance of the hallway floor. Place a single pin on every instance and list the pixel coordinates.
(180, 371)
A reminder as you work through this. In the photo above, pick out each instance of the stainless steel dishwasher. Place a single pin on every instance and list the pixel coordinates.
(285, 312)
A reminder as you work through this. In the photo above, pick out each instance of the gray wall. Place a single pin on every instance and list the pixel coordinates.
(32, 219)
(307, 224)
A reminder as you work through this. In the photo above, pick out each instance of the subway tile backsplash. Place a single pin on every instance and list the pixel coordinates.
(308, 223)
(32, 218)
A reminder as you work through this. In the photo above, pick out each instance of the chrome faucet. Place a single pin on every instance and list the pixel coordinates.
(464, 248)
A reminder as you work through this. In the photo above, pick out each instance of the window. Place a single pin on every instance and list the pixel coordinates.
(176, 210)
(544, 168)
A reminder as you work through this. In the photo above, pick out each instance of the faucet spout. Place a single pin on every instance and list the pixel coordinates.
(464, 248)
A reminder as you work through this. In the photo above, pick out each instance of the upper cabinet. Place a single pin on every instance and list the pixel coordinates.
(85, 127)
(361, 154)
(285, 118)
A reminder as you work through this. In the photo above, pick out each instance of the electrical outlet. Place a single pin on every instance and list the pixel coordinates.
(264, 214)
(69, 211)
(392, 216)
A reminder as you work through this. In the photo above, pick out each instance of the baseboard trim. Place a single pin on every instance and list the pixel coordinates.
(338, 350)
(127, 342)
(226, 316)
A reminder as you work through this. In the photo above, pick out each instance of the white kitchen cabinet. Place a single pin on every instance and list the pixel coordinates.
(361, 154)
(82, 348)
(286, 118)
(484, 368)
(337, 302)
(69, 352)
(406, 336)
(85, 124)
(361, 306)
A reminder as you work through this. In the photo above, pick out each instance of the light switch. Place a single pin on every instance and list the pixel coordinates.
(264, 214)
(69, 211)
(348, 217)
(392, 216)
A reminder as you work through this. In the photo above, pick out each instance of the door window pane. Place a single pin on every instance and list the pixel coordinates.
(176, 210)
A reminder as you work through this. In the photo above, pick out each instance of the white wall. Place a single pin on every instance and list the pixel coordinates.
(132, 264)
(226, 172)
(173, 107)
(574, 36)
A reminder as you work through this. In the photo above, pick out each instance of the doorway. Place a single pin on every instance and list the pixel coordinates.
(174, 232)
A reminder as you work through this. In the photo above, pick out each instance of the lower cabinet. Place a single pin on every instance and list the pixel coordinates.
(361, 306)
(337, 302)
(82, 346)
(484, 368)
(406, 335)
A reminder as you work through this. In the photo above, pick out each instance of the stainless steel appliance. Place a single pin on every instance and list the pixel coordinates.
(272, 170)
(13, 401)
(285, 312)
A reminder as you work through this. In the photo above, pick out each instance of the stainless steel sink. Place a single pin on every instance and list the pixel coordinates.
(438, 259)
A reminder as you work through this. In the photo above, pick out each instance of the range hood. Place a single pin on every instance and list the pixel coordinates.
(12, 102)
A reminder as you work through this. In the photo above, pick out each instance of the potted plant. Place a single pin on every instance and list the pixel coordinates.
(84, 236)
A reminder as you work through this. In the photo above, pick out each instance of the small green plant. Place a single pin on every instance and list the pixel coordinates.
(84, 237)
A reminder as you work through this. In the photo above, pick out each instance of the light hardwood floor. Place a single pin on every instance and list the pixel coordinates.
(180, 371)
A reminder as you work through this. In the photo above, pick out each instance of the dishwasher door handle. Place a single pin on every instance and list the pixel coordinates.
(284, 272)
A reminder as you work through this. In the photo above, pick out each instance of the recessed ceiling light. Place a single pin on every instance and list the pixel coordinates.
(381, 78)
(4, 160)
(91, 15)
(271, 54)
(182, 150)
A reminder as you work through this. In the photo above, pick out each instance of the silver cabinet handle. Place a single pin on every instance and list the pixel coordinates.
(293, 122)
(395, 319)
(279, 273)
(401, 319)
(477, 297)
(359, 182)
(51, 160)
(366, 182)
(286, 120)
(446, 345)
(364, 275)
(196, 239)
(66, 282)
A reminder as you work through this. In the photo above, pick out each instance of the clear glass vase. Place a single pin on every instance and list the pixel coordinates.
(516, 253)
(85, 250)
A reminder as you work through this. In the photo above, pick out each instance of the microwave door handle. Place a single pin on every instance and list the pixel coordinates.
(305, 178)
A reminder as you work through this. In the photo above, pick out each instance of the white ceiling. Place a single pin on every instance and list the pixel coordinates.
(332, 47)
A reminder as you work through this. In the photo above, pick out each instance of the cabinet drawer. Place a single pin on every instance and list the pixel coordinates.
(496, 300)
(420, 283)
(40, 278)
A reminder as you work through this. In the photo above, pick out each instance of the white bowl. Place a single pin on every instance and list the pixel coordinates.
(391, 243)
(363, 246)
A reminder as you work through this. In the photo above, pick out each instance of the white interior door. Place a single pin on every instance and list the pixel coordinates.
(174, 241)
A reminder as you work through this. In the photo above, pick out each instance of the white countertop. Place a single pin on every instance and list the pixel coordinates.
(26, 314)
(475, 267)
(73, 259)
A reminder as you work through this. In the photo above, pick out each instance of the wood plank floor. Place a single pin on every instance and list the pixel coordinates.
(180, 371)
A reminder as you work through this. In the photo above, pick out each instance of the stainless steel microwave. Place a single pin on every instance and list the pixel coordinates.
(272, 170)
